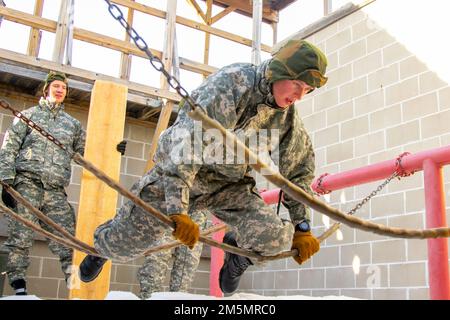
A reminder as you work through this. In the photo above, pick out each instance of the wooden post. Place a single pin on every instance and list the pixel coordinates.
(166, 111)
(327, 7)
(125, 61)
(2, 4)
(70, 22)
(275, 33)
(207, 34)
(35, 34)
(61, 33)
(257, 21)
(176, 58)
(98, 202)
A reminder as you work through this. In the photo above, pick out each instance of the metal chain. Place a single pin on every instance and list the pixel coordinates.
(372, 194)
(156, 62)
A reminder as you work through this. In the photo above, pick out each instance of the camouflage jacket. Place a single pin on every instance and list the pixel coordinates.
(25, 151)
(239, 97)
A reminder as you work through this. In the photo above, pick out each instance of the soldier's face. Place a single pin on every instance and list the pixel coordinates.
(287, 92)
(57, 91)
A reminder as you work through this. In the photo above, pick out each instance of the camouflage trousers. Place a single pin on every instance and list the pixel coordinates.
(53, 203)
(132, 231)
(153, 272)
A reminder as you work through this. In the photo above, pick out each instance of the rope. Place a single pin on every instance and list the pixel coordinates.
(300, 195)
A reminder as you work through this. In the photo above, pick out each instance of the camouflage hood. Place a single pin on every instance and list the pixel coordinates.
(52, 76)
(298, 60)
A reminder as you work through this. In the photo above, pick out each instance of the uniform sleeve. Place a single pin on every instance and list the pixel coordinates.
(12, 143)
(79, 141)
(296, 158)
(219, 96)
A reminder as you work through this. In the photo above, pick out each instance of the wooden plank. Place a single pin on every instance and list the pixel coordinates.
(257, 20)
(31, 62)
(125, 59)
(26, 72)
(61, 33)
(274, 33)
(70, 26)
(9, 92)
(2, 4)
(207, 35)
(198, 9)
(35, 34)
(166, 111)
(222, 14)
(245, 7)
(191, 24)
(97, 200)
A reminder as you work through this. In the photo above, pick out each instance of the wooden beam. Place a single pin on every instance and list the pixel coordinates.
(207, 35)
(245, 7)
(2, 4)
(125, 59)
(191, 23)
(222, 14)
(39, 75)
(61, 33)
(97, 200)
(97, 39)
(11, 92)
(198, 9)
(70, 26)
(77, 73)
(35, 34)
(166, 111)
(327, 7)
(257, 21)
(274, 33)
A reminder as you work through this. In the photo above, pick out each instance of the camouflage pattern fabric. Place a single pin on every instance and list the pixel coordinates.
(40, 171)
(153, 272)
(299, 60)
(239, 97)
(25, 150)
(53, 203)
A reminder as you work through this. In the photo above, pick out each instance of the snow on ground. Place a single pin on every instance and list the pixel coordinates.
(123, 295)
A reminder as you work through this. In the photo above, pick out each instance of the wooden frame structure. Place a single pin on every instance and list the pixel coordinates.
(144, 102)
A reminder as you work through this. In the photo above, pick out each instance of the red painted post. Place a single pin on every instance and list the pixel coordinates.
(438, 270)
(216, 263)
(217, 255)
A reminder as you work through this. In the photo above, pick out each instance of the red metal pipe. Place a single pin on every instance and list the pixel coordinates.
(381, 170)
(437, 248)
(431, 162)
(217, 255)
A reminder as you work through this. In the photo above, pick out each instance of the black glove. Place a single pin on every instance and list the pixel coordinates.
(122, 146)
(7, 199)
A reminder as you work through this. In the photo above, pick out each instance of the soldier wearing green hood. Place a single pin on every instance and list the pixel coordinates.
(39, 170)
(245, 99)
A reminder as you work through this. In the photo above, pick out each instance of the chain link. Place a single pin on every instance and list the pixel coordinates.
(372, 194)
(155, 61)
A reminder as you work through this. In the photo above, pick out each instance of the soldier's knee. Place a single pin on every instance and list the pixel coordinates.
(276, 240)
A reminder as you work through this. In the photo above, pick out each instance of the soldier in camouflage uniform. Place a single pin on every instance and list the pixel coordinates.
(242, 97)
(39, 170)
(152, 274)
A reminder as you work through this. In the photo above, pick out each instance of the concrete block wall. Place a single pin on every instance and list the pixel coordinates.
(380, 101)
